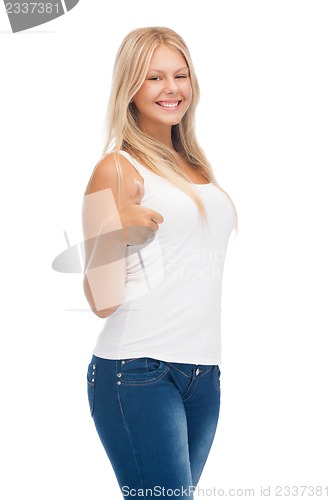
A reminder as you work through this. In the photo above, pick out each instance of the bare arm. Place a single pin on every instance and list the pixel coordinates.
(108, 227)
(104, 242)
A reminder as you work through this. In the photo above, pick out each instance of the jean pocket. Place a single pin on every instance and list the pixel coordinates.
(216, 376)
(91, 381)
(141, 371)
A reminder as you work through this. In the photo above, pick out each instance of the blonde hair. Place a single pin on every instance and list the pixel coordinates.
(122, 130)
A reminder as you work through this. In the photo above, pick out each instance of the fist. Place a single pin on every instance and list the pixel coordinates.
(139, 223)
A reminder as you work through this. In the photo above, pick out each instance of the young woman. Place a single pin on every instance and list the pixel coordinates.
(156, 227)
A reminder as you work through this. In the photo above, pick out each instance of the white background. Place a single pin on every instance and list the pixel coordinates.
(264, 120)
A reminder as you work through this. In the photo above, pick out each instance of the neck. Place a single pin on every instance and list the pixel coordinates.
(163, 135)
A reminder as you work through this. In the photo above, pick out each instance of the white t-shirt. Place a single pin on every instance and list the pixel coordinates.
(172, 305)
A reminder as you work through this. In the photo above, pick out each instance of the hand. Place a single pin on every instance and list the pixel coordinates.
(139, 223)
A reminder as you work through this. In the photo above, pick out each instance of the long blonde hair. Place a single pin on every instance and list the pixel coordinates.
(122, 130)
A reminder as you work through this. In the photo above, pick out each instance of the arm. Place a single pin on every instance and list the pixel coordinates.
(104, 242)
(109, 226)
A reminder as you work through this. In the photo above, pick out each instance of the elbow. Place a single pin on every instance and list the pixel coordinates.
(104, 313)
(101, 313)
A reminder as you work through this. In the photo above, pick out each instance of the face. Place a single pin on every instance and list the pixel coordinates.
(165, 95)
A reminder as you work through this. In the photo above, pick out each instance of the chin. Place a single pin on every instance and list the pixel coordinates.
(174, 121)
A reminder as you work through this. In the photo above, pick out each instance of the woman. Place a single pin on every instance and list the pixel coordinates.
(156, 227)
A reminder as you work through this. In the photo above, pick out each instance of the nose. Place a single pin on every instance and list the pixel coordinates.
(171, 86)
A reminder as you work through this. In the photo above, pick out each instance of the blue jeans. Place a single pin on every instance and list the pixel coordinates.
(156, 420)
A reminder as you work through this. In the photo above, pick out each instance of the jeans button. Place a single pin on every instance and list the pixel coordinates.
(119, 374)
(197, 371)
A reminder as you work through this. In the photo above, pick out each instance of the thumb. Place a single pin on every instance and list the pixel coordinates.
(139, 193)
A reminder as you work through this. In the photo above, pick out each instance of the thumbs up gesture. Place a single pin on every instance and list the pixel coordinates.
(139, 223)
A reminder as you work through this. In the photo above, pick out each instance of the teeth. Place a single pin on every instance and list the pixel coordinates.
(169, 104)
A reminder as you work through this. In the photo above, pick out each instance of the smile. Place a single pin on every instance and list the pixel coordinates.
(169, 104)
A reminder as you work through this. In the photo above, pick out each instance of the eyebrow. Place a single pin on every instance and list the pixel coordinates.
(161, 71)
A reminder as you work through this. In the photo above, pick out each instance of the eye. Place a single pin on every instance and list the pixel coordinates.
(182, 76)
(154, 78)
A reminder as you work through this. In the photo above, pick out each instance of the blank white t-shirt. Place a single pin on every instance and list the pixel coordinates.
(172, 305)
